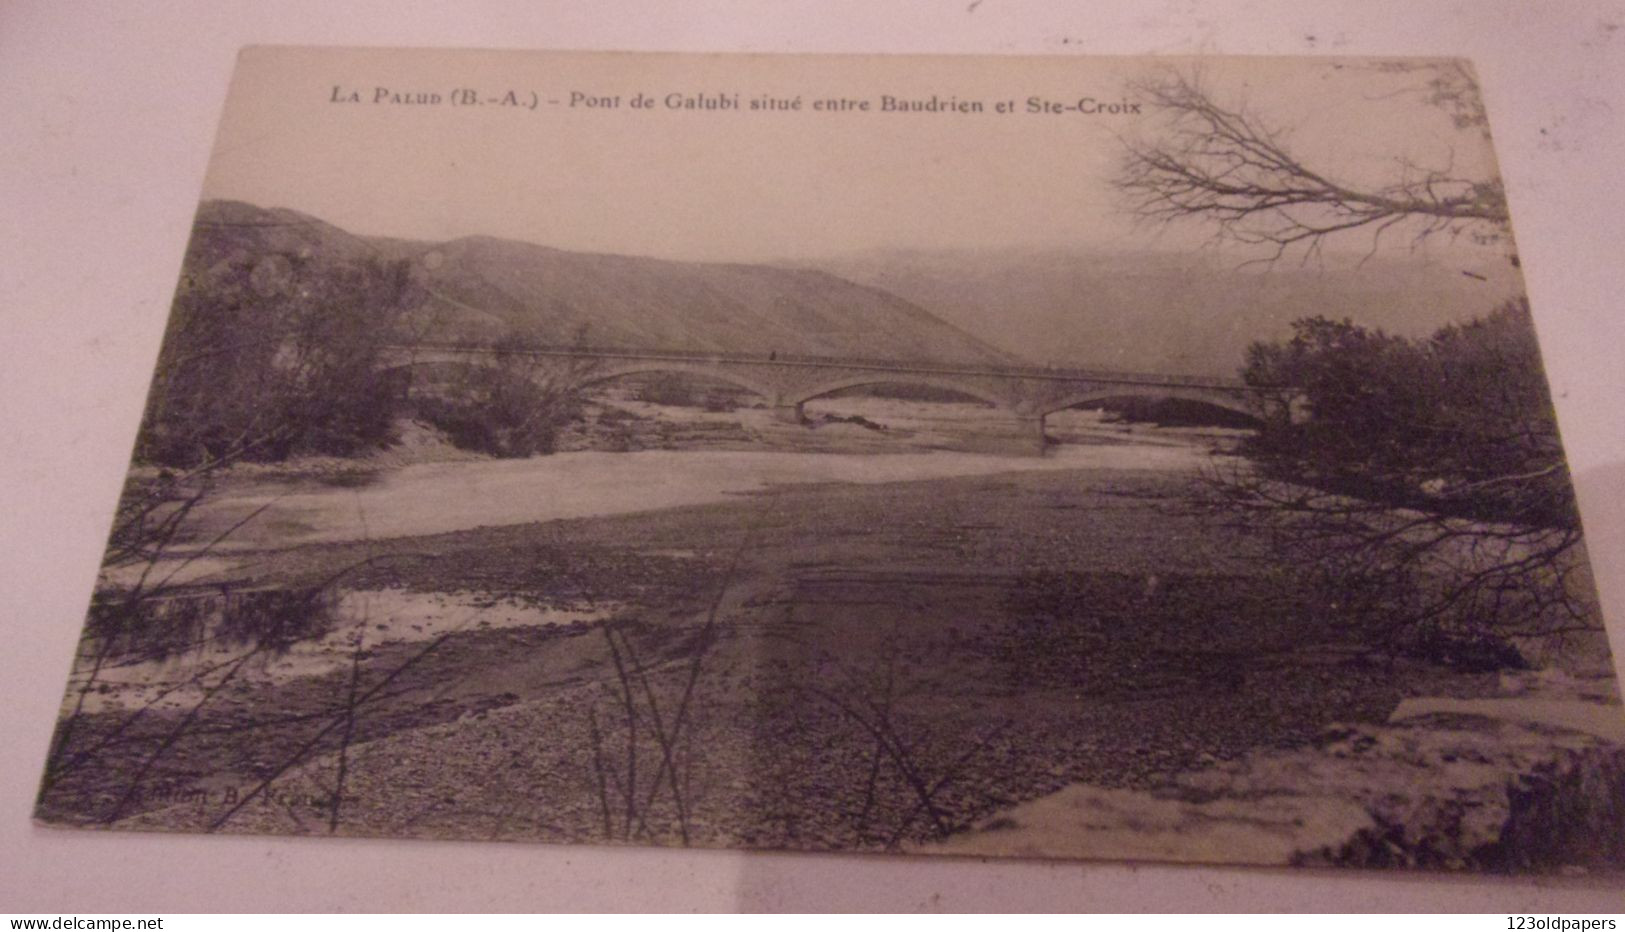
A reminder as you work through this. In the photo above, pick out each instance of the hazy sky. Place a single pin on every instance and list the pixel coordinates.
(770, 184)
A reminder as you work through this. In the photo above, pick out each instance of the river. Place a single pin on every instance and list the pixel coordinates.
(433, 498)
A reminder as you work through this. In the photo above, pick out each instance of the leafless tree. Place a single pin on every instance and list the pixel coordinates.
(1227, 166)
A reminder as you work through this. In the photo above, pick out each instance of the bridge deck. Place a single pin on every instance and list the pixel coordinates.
(790, 360)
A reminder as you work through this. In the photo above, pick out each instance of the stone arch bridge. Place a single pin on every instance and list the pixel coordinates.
(786, 382)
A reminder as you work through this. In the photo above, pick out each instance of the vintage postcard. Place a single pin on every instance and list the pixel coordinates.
(1037, 457)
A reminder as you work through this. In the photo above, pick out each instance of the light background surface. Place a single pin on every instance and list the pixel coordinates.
(107, 115)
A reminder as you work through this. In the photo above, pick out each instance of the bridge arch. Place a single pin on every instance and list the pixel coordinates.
(1217, 399)
(878, 378)
(597, 374)
(656, 367)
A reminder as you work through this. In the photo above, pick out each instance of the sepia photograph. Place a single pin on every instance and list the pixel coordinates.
(1134, 459)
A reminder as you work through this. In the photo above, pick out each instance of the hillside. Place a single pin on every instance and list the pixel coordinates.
(1191, 313)
(480, 288)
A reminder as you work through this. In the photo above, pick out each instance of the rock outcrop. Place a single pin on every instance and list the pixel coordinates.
(1531, 781)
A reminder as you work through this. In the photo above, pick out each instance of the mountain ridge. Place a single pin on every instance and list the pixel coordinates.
(481, 288)
(1187, 313)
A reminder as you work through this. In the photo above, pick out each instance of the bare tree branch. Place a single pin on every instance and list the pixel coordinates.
(1224, 166)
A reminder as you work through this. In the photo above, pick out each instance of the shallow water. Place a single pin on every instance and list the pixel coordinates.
(438, 497)
(259, 513)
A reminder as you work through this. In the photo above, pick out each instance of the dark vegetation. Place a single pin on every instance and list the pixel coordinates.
(271, 617)
(1172, 412)
(258, 365)
(275, 351)
(1426, 487)
(1460, 423)
(515, 408)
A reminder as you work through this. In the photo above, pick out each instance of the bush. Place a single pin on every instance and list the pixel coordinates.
(1460, 423)
(513, 409)
(268, 355)
(1426, 490)
(1173, 412)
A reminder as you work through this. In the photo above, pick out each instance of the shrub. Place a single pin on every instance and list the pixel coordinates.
(515, 408)
(261, 365)
(1426, 490)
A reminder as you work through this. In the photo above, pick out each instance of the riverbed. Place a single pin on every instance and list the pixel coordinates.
(257, 511)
